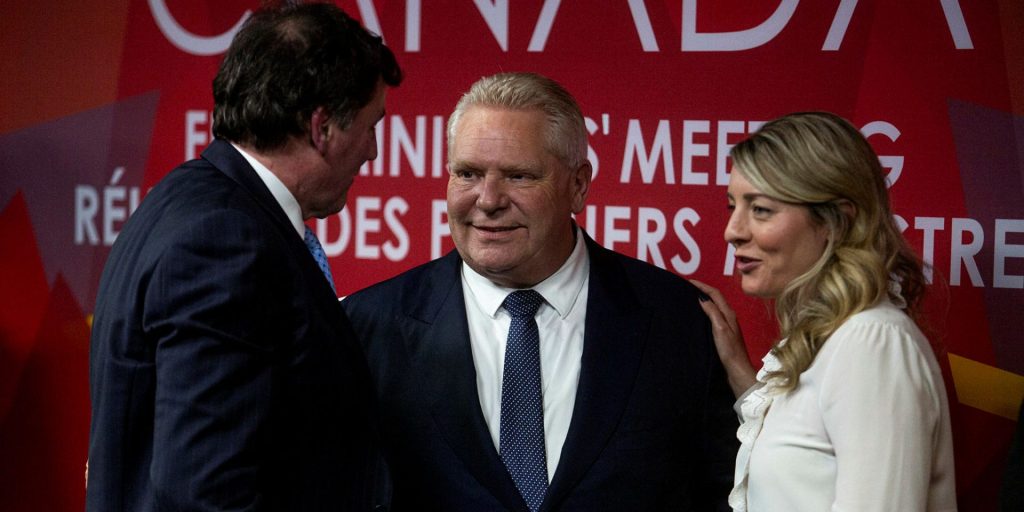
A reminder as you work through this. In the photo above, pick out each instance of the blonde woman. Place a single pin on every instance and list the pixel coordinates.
(848, 411)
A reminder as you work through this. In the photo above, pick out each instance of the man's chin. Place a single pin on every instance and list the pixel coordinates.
(489, 267)
(485, 264)
(328, 210)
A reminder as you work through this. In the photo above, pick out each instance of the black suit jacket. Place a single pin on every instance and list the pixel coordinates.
(652, 428)
(224, 374)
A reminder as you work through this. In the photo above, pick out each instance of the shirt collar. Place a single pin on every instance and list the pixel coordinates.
(281, 194)
(560, 290)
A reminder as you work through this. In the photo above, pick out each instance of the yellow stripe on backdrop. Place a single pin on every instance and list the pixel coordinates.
(986, 387)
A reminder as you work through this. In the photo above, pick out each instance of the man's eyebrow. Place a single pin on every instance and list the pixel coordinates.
(518, 168)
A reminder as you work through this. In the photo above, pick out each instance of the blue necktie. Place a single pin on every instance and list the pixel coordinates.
(318, 254)
(522, 406)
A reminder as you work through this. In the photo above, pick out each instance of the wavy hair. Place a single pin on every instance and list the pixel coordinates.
(821, 161)
(287, 61)
(566, 136)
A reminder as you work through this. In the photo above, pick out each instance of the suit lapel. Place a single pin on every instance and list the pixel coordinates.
(614, 339)
(229, 161)
(437, 338)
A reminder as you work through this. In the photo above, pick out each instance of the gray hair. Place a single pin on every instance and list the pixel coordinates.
(566, 135)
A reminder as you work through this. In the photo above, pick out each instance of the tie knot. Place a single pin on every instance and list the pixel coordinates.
(523, 303)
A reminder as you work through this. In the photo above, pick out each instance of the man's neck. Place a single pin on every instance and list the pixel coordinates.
(287, 163)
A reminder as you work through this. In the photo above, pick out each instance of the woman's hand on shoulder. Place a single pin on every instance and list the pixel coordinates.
(732, 350)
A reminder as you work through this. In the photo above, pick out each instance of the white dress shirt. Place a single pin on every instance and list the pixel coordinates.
(560, 322)
(867, 429)
(281, 194)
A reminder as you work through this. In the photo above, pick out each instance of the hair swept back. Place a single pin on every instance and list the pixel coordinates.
(820, 160)
(290, 58)
(566, 136)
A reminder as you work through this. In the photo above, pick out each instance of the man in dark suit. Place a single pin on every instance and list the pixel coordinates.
(224, 374)
(532, 369)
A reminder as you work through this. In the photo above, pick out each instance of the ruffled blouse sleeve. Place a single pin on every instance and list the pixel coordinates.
(752, 408)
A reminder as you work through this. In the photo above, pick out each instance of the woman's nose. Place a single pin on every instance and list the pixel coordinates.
(736, 229)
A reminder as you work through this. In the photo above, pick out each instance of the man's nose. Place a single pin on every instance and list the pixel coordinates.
(372, 150)
(492, 194)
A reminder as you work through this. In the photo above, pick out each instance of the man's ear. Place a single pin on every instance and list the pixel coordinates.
(581, 186)
(319, 129)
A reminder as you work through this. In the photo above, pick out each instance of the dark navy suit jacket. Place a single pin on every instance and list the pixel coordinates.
(652, 429)
(224, 373)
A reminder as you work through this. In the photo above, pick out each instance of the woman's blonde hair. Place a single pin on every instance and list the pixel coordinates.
(820, 160)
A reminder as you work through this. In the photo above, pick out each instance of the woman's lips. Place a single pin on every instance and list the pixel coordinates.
(746, 265)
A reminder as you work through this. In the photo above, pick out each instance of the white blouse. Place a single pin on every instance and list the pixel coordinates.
(867, 429)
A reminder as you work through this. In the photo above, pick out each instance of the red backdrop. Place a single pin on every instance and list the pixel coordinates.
(99, 99)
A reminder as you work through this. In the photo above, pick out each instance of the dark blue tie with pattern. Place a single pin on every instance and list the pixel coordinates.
(313, 244)
(522, 406)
